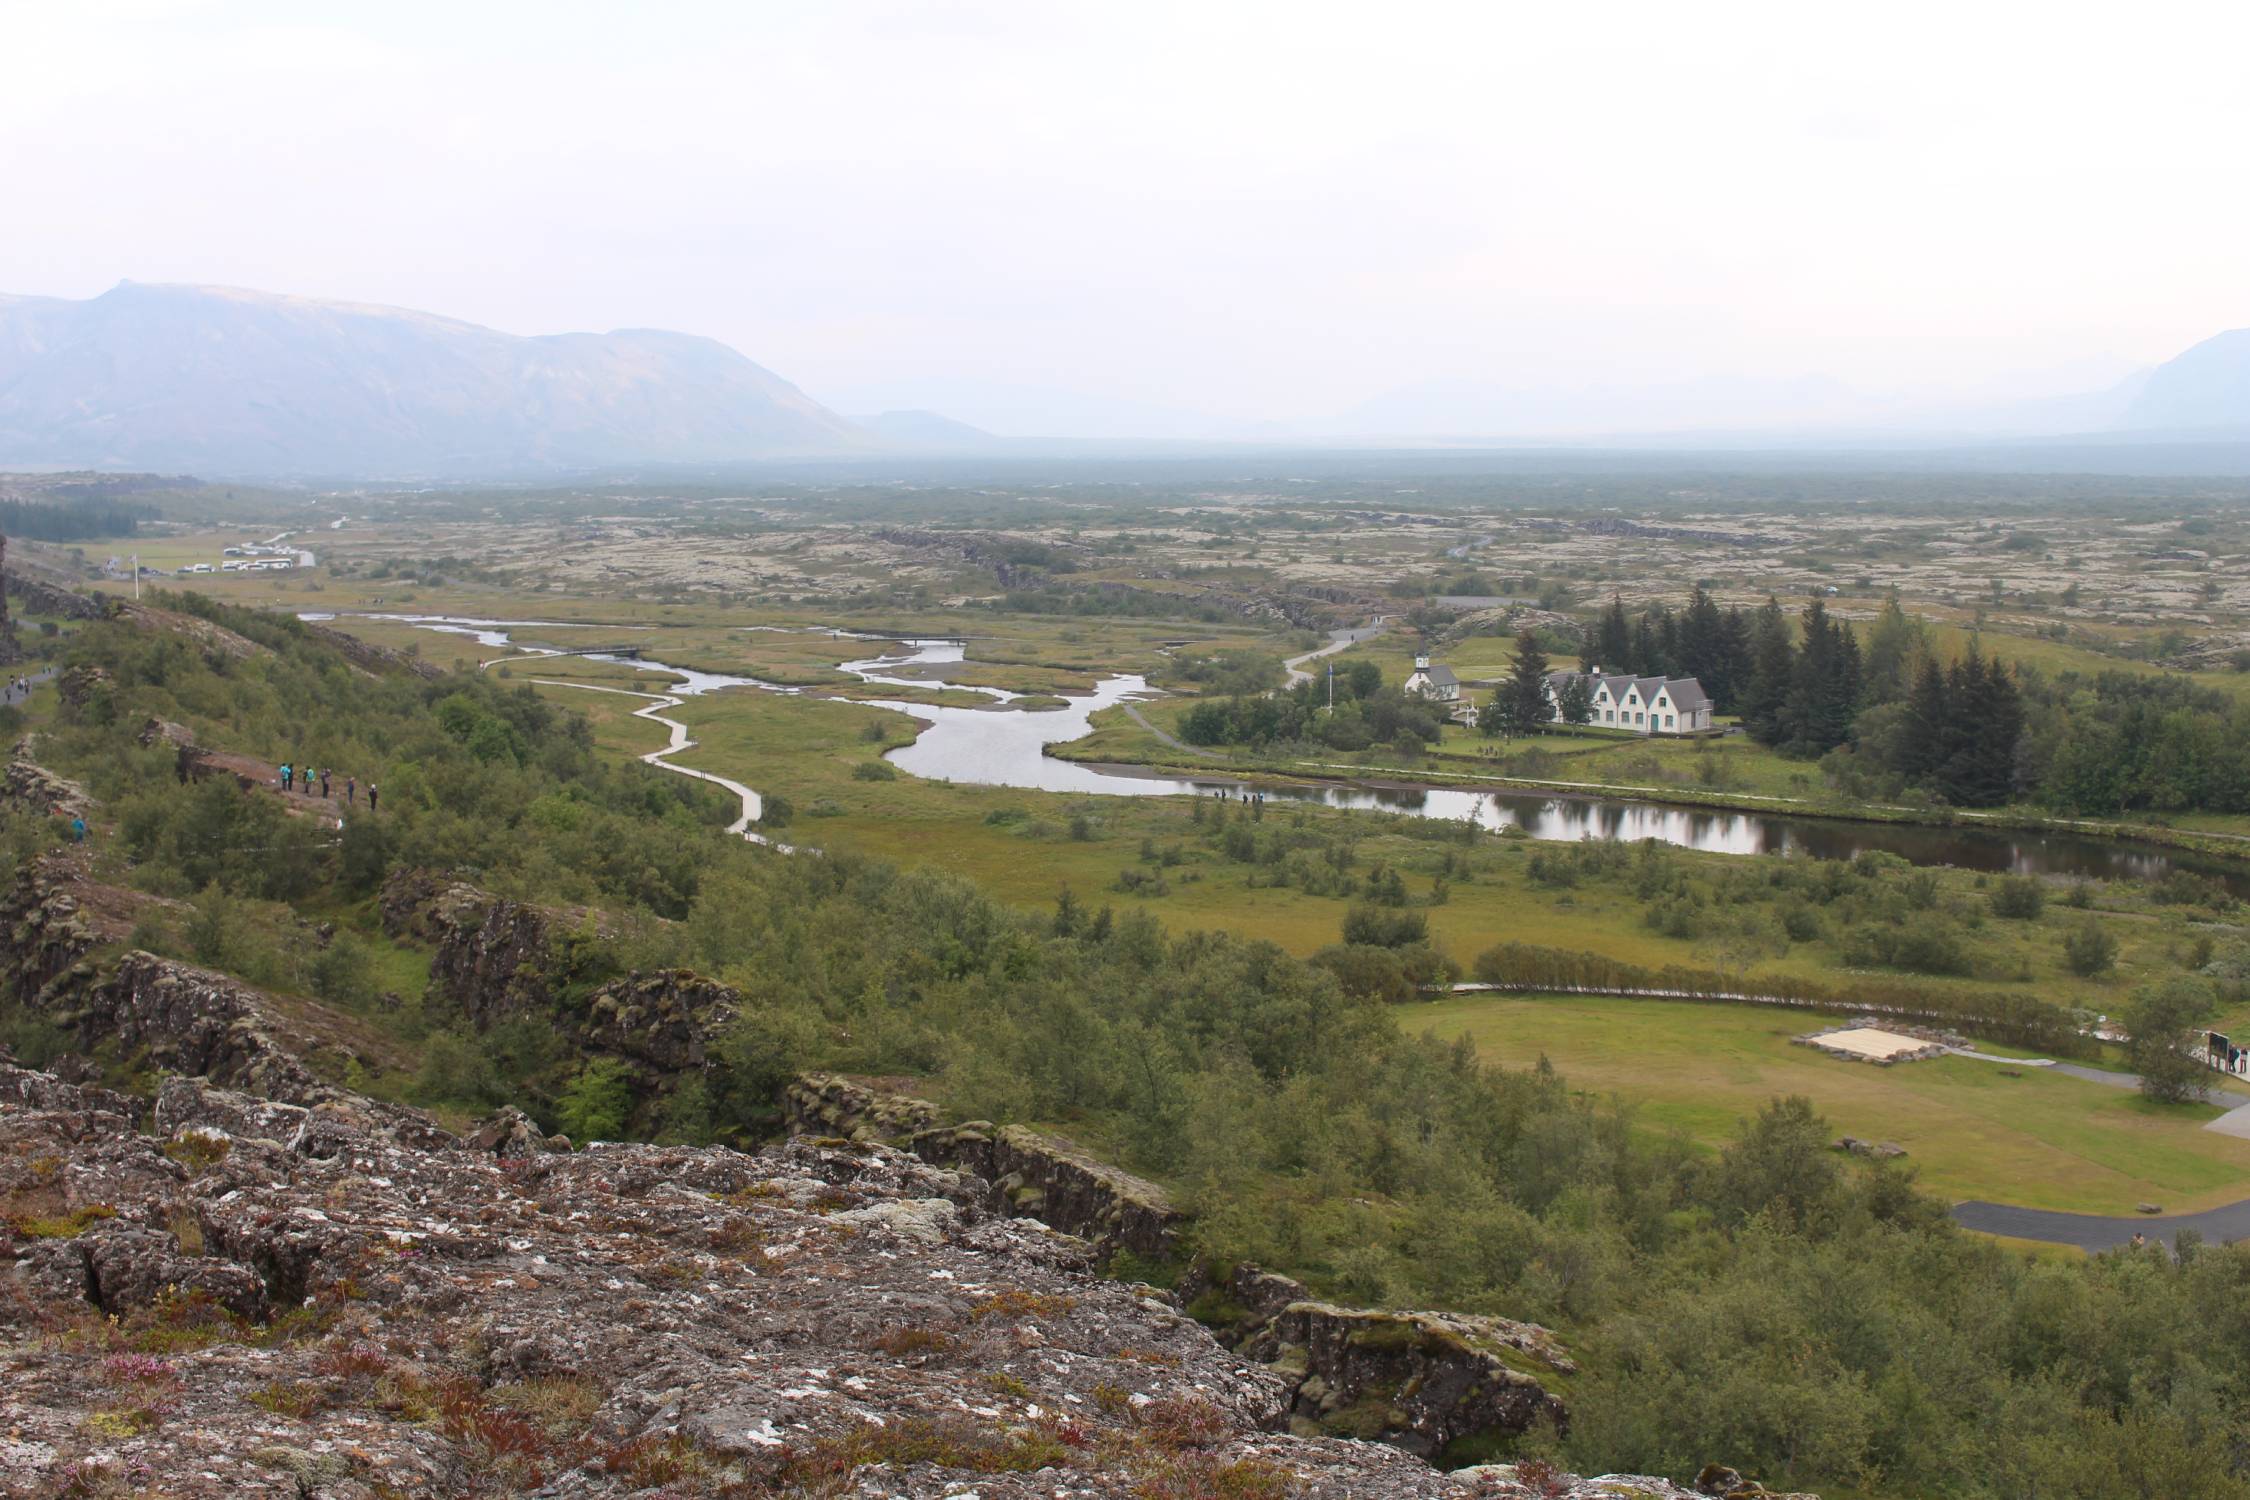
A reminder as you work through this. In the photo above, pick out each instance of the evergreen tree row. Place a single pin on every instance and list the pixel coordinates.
(1702, 641)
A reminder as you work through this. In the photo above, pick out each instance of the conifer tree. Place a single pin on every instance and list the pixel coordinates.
(1702, 645)
(1648, 653)
(1520, 705)
(1734, 661)
(1928, 712)
(1611, 646)
(1893, 646)
(1773, 662)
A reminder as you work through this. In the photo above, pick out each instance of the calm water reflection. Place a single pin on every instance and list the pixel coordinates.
(1003, 745)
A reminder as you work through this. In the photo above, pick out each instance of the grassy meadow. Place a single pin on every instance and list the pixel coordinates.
(2041, 1139)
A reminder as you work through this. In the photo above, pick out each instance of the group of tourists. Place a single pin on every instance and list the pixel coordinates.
(305, 778)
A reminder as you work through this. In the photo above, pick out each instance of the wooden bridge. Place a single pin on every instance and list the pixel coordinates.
(633, 652)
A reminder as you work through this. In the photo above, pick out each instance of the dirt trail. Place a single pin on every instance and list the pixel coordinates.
(753, 806)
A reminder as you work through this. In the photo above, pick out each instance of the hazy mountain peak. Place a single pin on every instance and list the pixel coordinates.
(232, 380)
(2206, 387)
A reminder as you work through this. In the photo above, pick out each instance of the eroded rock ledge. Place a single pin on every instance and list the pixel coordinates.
(62, 959)
(1038, 1176)
(1416, 1380)
(265, 1299)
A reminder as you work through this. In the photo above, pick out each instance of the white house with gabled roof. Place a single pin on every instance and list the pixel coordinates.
(1645, 705)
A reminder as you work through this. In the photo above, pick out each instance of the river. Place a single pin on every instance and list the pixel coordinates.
(1003, 745)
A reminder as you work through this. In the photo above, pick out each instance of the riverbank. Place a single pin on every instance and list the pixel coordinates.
(1357, 776)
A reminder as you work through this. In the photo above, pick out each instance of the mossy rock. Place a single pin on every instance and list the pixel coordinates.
(1366, 1419)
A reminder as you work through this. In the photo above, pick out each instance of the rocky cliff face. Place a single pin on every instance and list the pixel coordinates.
(269, 1299)
(1037, 1175)
(62, 960)
(1416, 1380)
(378, 661)
(30, 787)
(493, 958)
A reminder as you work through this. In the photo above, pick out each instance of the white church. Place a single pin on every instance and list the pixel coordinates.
(1436, 683)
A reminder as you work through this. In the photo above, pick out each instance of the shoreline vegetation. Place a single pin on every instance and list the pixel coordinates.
(1402, 778)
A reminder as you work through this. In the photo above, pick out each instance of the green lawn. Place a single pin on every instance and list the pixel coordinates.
(2044, 1140)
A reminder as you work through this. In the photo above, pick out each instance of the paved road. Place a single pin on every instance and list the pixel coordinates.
(11, 695)
(1338, 640)
(2095, 1233)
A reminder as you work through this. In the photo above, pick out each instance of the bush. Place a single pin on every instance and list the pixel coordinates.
(2089, 950)
(597, 1102)
(875, 770)
(344, 973)
(2163, 1024)
(1383, 927)
(2020, 898)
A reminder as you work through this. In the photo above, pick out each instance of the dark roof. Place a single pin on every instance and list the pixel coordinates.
(1442, 675)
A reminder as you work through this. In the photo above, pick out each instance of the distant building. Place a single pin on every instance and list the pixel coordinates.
(1436, 683)
(1645, 705)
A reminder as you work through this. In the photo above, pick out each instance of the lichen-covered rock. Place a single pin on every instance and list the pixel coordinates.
(160, 1015)
(666, 1019)
(833, 1105)
(1419, 1380)
(27, 786)
(509, 1132)
(82, 687)
(1038, 1176)
(383, 1318)
(491, 958)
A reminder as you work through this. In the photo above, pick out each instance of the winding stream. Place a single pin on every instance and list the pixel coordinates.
(1004, 745)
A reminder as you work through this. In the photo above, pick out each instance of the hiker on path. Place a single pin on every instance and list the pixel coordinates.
(371, 796)
(285, 775)
(351, 791)
(324, 784)
(78, 830)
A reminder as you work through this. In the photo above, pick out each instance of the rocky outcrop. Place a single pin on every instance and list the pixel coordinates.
(233, 1308)
(491, 958)
(368, 657)
(1038, 1176)
(666, 1019)
(38, 596)
(156, 732)
(153, 1015)
(82, 688)
(212, 638)
(1416, 1380)
(831, 1104)
(28, 786)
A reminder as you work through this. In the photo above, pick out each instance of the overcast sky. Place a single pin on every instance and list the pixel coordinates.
(1252, 212)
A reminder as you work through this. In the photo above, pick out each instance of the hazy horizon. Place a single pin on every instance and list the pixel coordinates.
(1178, 221)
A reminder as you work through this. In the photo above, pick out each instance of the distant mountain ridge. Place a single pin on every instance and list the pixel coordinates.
(925, 429)
(224, 381)
(2206, 388)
